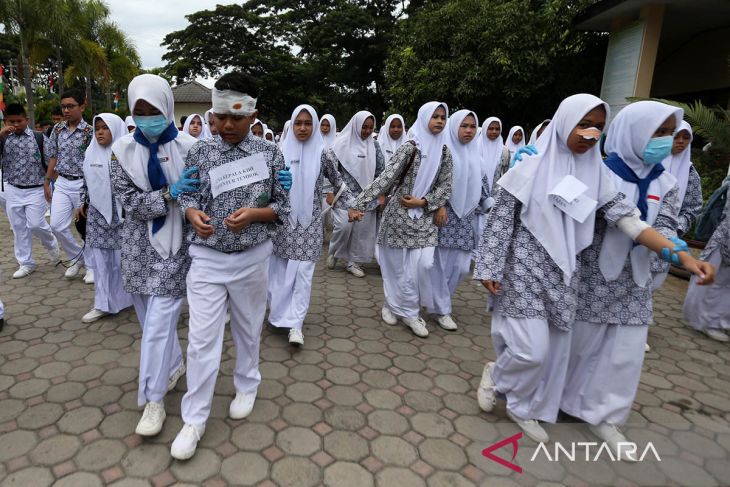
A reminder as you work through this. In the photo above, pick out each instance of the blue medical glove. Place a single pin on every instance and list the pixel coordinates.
(284, 178)
(672, 256)
(186, 183)
(530, 150)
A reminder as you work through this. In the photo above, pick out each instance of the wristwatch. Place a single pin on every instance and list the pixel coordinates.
(166, 194)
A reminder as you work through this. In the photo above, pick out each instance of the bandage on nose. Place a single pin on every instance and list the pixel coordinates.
(591, 133)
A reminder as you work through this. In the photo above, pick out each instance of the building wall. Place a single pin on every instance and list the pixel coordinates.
(190, 108)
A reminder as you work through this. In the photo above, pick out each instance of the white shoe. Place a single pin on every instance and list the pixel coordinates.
(446, 322)
(296, 337)
(417, 326)
(172, 381)
(531, 428)
(486, 392)
(152, 420)
(23, 271)
(612, 436)
(89, 276)
(93, 315)
(331, 261)
(242, 405)
(355, 270)
(713, 333)
(186, 441)
(388, 316)
(72, 271)
(54, 255)
(647, 348)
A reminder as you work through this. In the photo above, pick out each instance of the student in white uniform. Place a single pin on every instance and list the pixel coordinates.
(328, 128)
(148, 177)
(103, 219)
(515, 139)
(358, 158)
(230, 245)
(614, 307)
(23, 174)
(129, 122)
(418, 180)
(298, 242)
(537, 131)
(392, 135)
(195, 126)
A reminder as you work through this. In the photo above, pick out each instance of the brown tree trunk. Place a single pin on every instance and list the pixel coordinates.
(27, 81)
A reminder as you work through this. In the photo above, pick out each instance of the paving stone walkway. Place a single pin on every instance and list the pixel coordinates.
(360, 404)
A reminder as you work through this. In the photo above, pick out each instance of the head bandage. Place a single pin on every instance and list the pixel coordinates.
(232, 102)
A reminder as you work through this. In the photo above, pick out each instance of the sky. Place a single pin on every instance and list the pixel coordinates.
(146, 22)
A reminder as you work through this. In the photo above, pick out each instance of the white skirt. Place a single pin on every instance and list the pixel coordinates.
(290, 288)
(709, 306)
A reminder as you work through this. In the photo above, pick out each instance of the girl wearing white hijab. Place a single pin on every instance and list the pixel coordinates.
(210, 122)
(615, 293)
(284, 132)
(129, 122)
(200, 130)
(457, 220)
(495, 159)
(103, 219)
(269, 134)
(538, 130)
(148, 176)
(529, 258)
(257, 128)
(392, 135)
(328, 129)
(418, 178)
(515, 132)
(358, 158)
(298, 241)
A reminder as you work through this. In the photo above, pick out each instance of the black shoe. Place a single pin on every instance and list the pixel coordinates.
(2, 323)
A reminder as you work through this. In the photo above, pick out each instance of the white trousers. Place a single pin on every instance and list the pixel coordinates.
(216, 281)
(531, 365)
(404, 271)
(603, 372)
(290, 287)
(65, 200)
(26, 209)
(109, 294)
(353, 241)
(160, 354)
(450, 267)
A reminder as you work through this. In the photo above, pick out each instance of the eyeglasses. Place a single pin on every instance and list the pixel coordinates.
(69, 107)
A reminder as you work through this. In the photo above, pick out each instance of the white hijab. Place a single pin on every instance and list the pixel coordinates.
(490, 150)
(630, 131)
(511, 145)
(129, 122)
(204, 131)
(133, 159)
(356, 155)
(329, 139)
(269, 131)
(388, 144)
(97, 175)
(304, 161)
(678, 165)
(533, 134)
(530, 182)
(431, 146)
(284, 132)
(467, 174)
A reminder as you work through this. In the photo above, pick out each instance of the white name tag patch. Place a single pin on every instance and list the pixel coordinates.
(568, 196)
(238, 173)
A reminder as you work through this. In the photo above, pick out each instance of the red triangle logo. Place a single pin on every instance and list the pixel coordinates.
(512, 440)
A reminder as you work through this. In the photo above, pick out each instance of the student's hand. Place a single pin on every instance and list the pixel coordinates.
(47, 190)
(492, 286)
(330, 198)
(186, 184)
(530, 150)
(411, 202)
(7, 130)
(704, 271)
(441, 218)
(79, 213)
(382, 199)
(285, 178)
(200, 222)
(239, 219)
(354, 215)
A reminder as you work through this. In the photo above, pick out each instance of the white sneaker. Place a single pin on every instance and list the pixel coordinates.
(296, 337)
(388, 316)
(647, 348)
(331, 261)
(72, 271)
(531, 428)
(355, 270)
(172, 381)
(93, 315)
(23, 271)
(714, 333)
(89, 276)
(417, 326)
(446, 322)
(54, 255)
(186, 441)
(242, 405)
(152, 420)
(612, 436)
(486, 392)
